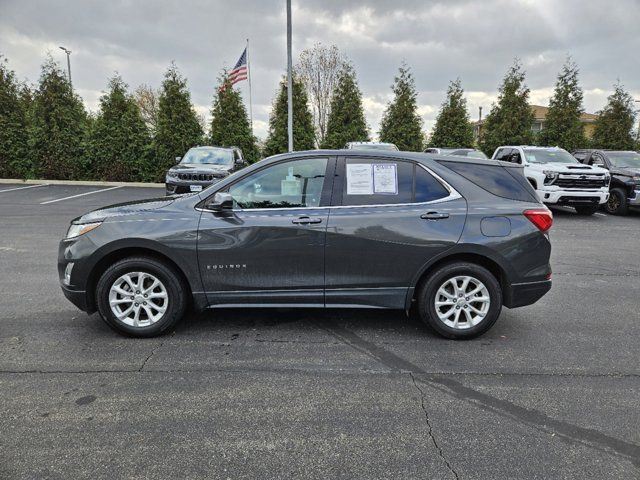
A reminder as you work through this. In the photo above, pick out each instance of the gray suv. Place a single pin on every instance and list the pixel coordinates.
(455, 238)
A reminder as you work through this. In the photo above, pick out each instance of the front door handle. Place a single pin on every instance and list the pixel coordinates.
(306, 220)
(434, 216)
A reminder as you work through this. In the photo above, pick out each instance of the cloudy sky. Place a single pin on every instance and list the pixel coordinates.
(474, 40)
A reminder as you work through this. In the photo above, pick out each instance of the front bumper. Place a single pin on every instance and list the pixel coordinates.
(177, 187)
(573, 197)
(634, 201)
(77, 297)
(522, 294)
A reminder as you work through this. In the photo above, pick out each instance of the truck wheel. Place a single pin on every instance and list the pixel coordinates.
(586, 210)
(617, 203)
(460, 300)
(141, 297)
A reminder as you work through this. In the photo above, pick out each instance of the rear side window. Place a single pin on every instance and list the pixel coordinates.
(496, 180)
(427, 187)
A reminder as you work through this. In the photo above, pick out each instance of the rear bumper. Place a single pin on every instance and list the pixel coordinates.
(522, 294)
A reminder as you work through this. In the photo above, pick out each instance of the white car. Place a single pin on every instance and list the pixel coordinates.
(370, 146)
(558, 178)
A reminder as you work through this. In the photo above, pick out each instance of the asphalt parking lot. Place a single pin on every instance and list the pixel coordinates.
(552, 391)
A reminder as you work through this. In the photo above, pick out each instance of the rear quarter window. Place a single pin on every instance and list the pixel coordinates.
(496, 179)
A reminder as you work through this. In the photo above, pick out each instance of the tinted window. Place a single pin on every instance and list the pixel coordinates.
(377, 182)
(427, 187)
(297, 183)
(495, 179)
(503, 154)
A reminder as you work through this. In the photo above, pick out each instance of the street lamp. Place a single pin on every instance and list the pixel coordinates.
(638, 132)
(68, 52)
(289, 80)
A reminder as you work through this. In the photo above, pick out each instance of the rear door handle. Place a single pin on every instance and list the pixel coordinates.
(434, 216)
(306, 220)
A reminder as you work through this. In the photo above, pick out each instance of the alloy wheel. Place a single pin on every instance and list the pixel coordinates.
(462, 302)
(138, 299)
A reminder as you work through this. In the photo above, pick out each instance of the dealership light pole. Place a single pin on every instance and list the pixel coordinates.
(289, 80)
(68, 52)
(638, 132)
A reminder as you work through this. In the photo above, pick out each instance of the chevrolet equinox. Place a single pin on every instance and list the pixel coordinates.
(456, 237)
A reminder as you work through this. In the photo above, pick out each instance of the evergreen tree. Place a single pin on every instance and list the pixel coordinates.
(562, 126)
(346, 121)
(14, 152)
(452, 128)
(178, 128)
(230, 123)
(509, 121)
(303, 132)
(615, 123)
(119, 141)
(58, 125)
(401, 123)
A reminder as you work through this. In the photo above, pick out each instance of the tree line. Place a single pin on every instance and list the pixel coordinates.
(46, 132)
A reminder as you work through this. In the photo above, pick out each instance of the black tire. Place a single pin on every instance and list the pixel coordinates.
(427, 297)
(586, 211)
(617, 203)
(174, 286)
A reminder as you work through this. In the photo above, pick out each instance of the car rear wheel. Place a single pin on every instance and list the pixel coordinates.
(586, 210)
(140, 297)
(617, 203)
(460, 300)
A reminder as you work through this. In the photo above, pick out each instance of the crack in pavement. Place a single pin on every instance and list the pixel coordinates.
(540, 421)
(154, 350)
(430, 429)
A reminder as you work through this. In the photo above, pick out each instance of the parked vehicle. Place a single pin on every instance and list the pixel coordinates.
(371, 146)
(201, 167)
(460, 152)
(457, 237)
(558, 178)
(624, 167)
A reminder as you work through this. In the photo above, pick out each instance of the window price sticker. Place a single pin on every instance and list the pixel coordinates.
(385, 178)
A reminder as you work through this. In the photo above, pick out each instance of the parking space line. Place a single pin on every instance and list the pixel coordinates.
(600, 214)
(22, 188)
(79, 195)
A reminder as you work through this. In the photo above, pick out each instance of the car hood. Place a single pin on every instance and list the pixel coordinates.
(197, 168)
(127, 208)
(631, 172)
(576, 168)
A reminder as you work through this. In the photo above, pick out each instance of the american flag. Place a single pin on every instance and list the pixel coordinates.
(239, 72)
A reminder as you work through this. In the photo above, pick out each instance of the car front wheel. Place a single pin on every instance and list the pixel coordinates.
(617, 203)
(140, 297)
(460, 300)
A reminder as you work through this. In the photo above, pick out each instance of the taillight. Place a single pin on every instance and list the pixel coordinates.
(540, 217)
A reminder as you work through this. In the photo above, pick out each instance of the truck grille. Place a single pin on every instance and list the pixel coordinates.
(198, 177)
(563, 182)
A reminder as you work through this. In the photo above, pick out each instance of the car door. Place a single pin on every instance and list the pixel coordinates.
(389, 217)
(269, 250)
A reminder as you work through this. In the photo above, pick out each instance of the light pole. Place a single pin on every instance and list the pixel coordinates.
(289, 79)
(638, 132)
(68, 52)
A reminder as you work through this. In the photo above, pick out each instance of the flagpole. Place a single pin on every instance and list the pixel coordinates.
(249, 78)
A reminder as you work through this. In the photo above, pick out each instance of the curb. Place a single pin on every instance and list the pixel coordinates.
(81, 182)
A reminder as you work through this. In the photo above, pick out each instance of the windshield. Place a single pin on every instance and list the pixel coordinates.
(469, 153)
(624, 159)
(375, 146)
(208, 156)
(557, 155)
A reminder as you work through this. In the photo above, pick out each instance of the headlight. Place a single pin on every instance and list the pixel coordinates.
(550, 173)
(77, 230)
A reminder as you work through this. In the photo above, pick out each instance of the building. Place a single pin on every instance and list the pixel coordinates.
(539, 119)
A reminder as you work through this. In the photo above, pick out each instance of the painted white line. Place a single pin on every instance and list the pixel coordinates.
(22, 188)
(600, 214)
(78, 195)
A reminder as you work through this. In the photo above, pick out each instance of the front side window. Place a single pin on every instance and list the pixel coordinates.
(293, 184)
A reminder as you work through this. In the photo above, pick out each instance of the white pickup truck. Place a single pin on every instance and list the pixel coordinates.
(558, 178)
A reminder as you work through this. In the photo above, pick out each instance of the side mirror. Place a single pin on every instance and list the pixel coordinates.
(239, 161)
(221, 201)
(178, 159)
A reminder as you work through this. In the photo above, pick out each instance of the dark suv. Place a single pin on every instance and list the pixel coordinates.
(456, 237)
(201, 167)
(624, 167)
